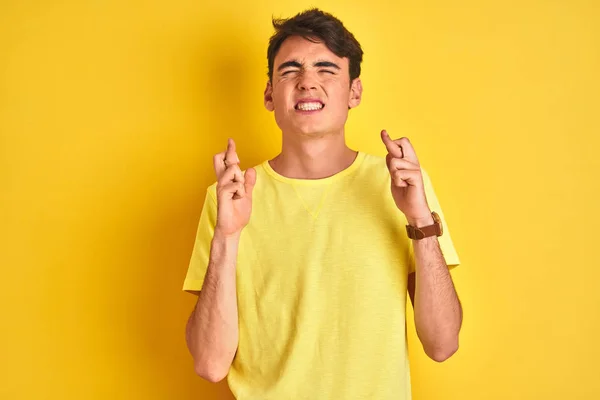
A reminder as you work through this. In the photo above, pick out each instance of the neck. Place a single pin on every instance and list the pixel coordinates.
(313, 158)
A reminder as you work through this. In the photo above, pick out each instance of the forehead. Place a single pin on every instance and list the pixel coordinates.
(302, 50)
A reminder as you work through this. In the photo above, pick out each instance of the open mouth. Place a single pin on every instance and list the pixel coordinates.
(313, 105)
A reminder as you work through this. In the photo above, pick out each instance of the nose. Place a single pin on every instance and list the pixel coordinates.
(307, 81)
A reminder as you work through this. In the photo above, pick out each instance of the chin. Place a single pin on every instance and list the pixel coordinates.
(312, 131)
(315, 128)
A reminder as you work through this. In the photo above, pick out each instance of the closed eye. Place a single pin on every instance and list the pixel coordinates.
(329, 72)
(287, 72)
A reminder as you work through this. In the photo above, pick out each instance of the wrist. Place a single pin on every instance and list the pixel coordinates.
(226, 237)
(224, 248)
(419, 222)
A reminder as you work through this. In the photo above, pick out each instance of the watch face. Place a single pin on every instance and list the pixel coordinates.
(438, 220)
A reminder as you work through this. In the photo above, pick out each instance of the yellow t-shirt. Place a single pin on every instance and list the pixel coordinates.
(321, 285)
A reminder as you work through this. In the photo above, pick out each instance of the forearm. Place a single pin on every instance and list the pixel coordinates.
(437, 310)
(212, 330)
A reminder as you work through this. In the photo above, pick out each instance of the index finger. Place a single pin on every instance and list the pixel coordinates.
(231, 155)
(392, 147)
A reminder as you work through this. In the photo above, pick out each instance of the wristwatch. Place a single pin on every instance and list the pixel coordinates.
(426, 231)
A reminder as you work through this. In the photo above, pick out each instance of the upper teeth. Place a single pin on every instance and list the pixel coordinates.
(310, 106)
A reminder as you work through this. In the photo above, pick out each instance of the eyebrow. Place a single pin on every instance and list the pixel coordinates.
(328, 64)
(296, 64)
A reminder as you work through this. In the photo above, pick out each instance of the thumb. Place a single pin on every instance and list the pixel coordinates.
(249, 180)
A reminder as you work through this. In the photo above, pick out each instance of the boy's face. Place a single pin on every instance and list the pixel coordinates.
(310, 91)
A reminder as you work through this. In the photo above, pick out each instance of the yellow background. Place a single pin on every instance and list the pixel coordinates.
(111, 111)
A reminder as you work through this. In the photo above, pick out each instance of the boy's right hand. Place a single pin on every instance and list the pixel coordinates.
(234, 192)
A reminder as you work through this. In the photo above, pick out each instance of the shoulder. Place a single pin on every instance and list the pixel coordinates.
(373, 164)
(376, 164)
(374, 169)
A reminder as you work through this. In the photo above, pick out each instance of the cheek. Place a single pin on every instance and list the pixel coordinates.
(282, 96)
(341, 94)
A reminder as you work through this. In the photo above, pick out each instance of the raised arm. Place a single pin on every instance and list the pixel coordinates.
(212, 329)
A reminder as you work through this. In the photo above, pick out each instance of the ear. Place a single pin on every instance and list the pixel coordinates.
(355, 93)
(268, 97)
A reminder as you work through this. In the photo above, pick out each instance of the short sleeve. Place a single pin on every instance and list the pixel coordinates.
(201, 252)
(445, 241)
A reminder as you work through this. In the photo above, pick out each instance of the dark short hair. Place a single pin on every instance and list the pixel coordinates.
(318, 27)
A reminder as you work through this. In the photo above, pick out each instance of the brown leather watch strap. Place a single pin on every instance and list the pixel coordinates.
(426, 231)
